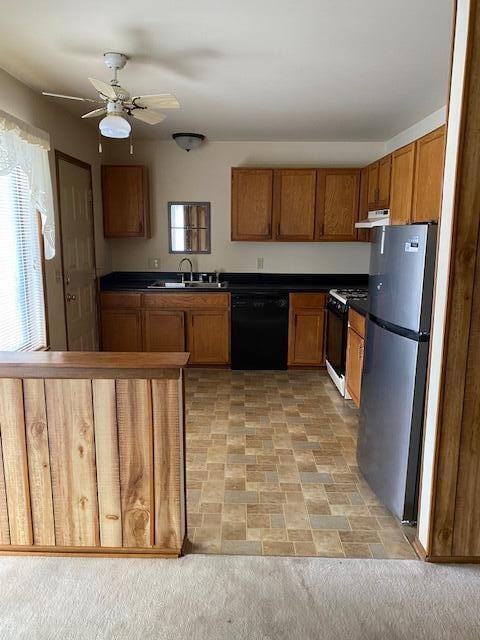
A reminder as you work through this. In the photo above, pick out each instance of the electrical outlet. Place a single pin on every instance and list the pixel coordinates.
(259, 263)
(154, 263)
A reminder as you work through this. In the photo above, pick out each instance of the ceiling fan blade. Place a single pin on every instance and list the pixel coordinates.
(95, 113)
(60, 95)
(104, 89)
(148, 116)
(157, 101)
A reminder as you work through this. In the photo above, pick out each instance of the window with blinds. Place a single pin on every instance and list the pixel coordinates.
(22, 308)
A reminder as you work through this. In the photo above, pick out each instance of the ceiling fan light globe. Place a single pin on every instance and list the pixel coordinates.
(113, 126)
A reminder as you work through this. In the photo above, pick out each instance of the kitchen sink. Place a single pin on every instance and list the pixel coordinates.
(195, 284)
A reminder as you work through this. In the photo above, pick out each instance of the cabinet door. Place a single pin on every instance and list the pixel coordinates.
(252, 192)
(403, 166)
(294, 204)
(354, 365)
(337, 204)
(306, 333)
(428, 176)
(384, 176)
(363, 235)
(164, 330)
(372, 186)
(125, 201)
(208, 334)
(121, 330)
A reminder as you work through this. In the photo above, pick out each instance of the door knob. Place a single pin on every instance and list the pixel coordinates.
(71, 297)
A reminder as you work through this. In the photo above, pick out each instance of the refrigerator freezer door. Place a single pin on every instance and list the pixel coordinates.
(401, 275)
(391, 410)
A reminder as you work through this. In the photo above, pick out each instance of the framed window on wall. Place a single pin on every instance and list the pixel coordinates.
(22, 295)
(189, 227)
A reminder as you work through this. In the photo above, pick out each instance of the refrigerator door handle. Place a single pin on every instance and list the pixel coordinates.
(382, 241)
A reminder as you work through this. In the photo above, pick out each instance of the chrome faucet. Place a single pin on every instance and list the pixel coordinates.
(191, 268)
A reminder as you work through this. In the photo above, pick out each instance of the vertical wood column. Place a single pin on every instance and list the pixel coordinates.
(455, 521)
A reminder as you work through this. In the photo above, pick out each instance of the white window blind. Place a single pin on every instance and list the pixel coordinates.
(22, 308)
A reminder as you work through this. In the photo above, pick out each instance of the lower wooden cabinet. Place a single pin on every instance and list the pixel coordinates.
(306, 329)
(164, 330)
(208, 336)
(121, 330)
(198, 323)
(355, 352)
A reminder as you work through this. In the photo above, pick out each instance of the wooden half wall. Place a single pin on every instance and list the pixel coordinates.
(92, 454)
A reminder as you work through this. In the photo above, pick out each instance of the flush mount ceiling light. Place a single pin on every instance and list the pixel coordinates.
(188, 141)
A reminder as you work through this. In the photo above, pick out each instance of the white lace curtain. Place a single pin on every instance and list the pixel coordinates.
(27, 147)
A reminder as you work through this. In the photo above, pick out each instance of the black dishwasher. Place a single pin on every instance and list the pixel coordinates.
(259, 330)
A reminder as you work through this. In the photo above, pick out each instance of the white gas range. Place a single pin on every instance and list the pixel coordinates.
(337, 323)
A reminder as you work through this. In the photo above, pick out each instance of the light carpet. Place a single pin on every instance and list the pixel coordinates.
(210, 597)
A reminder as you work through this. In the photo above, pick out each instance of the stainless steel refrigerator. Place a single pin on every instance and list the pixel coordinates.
(395, 367)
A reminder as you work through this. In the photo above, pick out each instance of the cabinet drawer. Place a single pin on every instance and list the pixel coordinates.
(187, 300)
(357, 322)
(307, 300)
(111, 300)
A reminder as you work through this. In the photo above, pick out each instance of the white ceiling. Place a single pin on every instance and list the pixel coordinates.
(248, 70)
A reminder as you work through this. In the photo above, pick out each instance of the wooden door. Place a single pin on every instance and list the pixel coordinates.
(78, 253)
(164, 330)
(125, 201)
(121, 330)
(252, 192)
(372, 186)
(427, 194)
(384, 177)
(337, 204)
(208, 336)
(354, 365)
(403, 167)
(306, 337)
(294, 204)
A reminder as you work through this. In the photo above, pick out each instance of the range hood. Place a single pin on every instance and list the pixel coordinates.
(378, 218)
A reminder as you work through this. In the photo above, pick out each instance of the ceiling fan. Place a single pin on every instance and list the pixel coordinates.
(118, 103)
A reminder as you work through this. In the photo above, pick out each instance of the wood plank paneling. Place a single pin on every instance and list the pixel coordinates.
(12, 431)
(166, 442)
(108, 472)
(72, 452)
(39, 462)
(4, 527)
(455, 513)
(134, 419)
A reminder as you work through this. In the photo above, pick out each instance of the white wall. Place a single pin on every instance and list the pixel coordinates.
(443, 267)
(417, 130)
(72, 136)
(204, 175)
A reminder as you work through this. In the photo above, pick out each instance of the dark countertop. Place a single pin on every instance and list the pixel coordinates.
(139, 281)
(359, 305)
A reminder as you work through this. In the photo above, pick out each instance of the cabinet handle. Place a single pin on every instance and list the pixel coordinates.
(322, 229)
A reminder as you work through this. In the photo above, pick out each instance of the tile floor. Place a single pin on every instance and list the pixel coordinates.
(271, 469)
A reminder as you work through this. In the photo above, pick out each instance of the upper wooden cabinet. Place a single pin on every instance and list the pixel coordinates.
(337, 204)
(429, 159)
(252, 193)
(363, 234)
(125, 201)
(401, 193)
(378, 183)
(294, 204)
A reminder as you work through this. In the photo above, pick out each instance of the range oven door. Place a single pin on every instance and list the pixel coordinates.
(336, 339)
